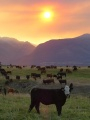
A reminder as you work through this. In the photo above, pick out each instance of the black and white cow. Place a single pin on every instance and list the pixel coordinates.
(47, 97)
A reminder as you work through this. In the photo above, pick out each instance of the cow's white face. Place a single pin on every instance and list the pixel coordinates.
(67, 90)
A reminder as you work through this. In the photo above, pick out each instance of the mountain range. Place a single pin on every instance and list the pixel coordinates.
(69, 51)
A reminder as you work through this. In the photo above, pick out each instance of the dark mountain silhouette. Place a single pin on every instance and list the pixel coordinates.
(70, 51)
(11, 50)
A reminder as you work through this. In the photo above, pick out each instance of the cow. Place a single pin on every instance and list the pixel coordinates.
(49, 75)
(61, 74)
(47, 97)
(35, 75)
(17, 77)
(27, 76)
(7, 77)
(11, 90)
(62, 81)
(48, 81)
(75, 68)
(68, 71)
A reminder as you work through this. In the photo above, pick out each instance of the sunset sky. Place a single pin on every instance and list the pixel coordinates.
(25, 20)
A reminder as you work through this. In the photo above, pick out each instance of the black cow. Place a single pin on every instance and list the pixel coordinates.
(62, 81)
(17, 77)
(49, 75)
(27, 76)
(61, 74)
(7, 77)
(48, 81)
(35, 75)
(47, 97)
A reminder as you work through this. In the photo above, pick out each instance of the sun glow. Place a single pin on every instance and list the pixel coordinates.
(47, 15)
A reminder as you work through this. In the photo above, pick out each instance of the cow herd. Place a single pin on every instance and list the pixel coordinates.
(41, 95)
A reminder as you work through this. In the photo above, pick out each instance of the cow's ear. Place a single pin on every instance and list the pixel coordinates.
(62, 89)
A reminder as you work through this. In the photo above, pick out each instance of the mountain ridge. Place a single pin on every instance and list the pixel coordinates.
(68, 51)
(62, 51)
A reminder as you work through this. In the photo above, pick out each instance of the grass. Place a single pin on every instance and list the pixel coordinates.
(15, 106)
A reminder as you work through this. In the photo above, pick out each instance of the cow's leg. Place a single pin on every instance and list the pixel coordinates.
(37, 108)
(59, 109)
(31, 107)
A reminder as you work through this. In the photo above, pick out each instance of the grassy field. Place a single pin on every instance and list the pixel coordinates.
(15, 106)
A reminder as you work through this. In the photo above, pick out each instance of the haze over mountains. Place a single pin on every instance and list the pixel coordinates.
(11, 50)
(70, 51)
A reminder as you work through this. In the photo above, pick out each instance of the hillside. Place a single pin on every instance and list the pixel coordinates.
(11, 50)
(71, 51)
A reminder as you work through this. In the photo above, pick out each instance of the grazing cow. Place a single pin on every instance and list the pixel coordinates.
(38, 75)
(61, 73)
(62, 81)
(35, 75)
(9, 72)
(11, 90)
(47, 97)
(68, 71)
(48, 81)
(7, 77)
(54, 76)
(43, 71)
(17, 77)
(27, 76)
(3, 72)
(75, 68)
(61, 70)
(49, 75)
(59, 76)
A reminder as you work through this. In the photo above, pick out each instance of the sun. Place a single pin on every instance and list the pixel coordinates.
(47, 15)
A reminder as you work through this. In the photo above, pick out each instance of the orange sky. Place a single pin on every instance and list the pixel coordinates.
(23, 19)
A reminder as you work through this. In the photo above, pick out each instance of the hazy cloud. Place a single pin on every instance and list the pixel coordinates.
(21, 19)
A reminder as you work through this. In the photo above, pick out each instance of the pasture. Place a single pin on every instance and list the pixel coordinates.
(15, 106)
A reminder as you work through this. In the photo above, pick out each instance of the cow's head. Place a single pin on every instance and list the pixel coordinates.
(68, 89)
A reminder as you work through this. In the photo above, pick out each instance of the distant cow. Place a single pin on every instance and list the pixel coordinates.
(43, 71)
(62, 73)
(62, 81)
(11, 90)
(59, 76)
(38, 75)
(27, 76)
(18, 77)
(47, 97)
(7, 77)
(49, 75)
(75, 68)
(9, 72)
(48, 81)
(35, 75)
(68, 71)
